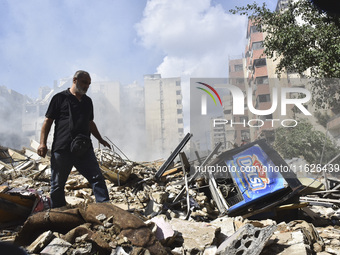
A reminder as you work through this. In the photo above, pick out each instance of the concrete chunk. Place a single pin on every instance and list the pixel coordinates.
(196, 235)
(248, 240)
(226, 224)
(56, 247)
(289, 243)
(164, 231)
(43, 240)
(159, 197)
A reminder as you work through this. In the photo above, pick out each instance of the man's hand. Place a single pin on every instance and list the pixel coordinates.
(105, 143)
(95, 133)
(42, 150)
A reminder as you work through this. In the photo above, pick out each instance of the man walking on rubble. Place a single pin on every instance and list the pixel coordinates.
(72, 105)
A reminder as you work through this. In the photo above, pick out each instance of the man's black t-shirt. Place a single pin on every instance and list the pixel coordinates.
(58, 110)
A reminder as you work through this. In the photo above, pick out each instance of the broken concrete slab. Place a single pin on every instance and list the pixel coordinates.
(164, 231)
(310, 233)
(56, 247)
(333, 250)
(288, 243)
(159, 197)
(152, 209)
(295, 237)
(41, 242)
(211, 250)
(197, 235)
(247, 240)
(74, 200)
(226, 225)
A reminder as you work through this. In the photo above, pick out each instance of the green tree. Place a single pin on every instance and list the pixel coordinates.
(322, 118)
(302, 38)
(304, 141)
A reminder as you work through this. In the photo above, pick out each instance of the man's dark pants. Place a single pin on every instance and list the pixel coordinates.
(61, 165)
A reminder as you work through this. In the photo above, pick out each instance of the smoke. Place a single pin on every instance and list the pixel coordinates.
(195, 36)
(11, 109)
(119, 116)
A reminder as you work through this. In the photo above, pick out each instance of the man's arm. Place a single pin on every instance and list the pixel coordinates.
(96, 134)
(45, 130)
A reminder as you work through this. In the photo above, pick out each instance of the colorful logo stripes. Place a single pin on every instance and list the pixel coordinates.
(209, 93)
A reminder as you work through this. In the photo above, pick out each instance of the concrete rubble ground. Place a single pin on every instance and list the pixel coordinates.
(141, 217)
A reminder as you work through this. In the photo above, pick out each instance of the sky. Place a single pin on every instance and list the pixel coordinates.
(116, 40)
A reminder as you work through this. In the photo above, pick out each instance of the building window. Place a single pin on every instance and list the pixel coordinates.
(261, 80)
(179, 111)
(180, 130)
(257, 45)
(178, 92)
(269, 116)
(243, 118)
(227, 111)
(238, 68)
(266, 117)
(245, 135)
(180, 121)
(255, 29)
(264, 98)
(179, 101)
(259, 62)
(178, 83)
(239, 81)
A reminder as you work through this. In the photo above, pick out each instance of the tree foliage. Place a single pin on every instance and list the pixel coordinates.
(304, 141)
(302, 38)
(322, 118)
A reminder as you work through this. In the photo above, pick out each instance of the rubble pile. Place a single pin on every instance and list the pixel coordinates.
(176, 213)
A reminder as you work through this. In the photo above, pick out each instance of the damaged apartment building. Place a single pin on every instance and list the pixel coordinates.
(252, 69)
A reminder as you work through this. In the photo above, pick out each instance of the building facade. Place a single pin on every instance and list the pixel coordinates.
(241, 132)
(163, 114)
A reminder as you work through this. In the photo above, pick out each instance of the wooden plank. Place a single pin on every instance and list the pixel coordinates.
(171, 171)
(3, 188)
